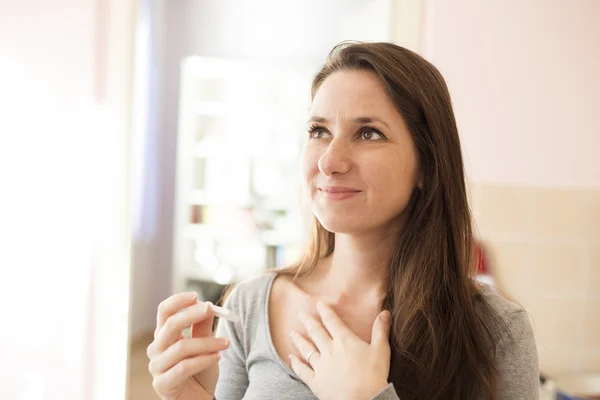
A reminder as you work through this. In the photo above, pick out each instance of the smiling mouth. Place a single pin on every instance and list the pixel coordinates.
(339, 193)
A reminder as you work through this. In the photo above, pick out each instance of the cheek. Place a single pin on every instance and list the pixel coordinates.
(396, 177)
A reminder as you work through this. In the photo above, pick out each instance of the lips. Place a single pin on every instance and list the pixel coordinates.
(338, 192)
(338, 189)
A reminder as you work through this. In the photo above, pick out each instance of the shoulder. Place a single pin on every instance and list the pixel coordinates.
(247, 295)
(515, 340)
(513, 320)
(503, 307)
(247, 298)
(516, 355)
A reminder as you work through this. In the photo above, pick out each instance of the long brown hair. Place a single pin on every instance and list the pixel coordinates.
(441, 346)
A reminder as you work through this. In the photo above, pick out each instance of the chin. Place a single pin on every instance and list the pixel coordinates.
(341, 224)
(338, 218)
(353, 221)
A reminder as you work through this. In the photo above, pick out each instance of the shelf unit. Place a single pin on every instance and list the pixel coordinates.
(237, 201)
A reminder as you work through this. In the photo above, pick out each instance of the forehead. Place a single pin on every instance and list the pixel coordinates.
(350, 93)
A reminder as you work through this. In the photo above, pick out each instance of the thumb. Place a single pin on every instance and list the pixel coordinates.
(381, 328)
(204, 328)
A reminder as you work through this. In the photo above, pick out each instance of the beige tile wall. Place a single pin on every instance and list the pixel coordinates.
(544, 246)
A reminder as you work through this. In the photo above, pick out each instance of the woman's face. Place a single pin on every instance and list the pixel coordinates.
(360, 165)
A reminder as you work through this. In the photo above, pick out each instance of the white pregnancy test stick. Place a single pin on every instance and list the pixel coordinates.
(225, 313)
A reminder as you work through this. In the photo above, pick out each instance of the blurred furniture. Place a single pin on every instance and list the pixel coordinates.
(237, 202)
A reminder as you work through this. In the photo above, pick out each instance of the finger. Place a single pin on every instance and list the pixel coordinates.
(184, 370)
(316, 332)
(302, 370)
(171, 330)
(381, 329)
(304, 348)
(152, 350)
(334, 324)
(204, 328)
(172, 305)
(183, 349)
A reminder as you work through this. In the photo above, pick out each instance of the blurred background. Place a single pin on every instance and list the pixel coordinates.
(149, 147)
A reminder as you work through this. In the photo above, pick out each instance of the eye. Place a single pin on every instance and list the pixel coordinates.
(371, 134)
(317, 132)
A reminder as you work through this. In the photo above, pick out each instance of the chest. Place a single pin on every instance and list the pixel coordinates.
(267, 381)
(283, 319)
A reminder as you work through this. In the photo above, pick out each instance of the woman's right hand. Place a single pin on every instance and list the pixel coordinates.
(185, 368)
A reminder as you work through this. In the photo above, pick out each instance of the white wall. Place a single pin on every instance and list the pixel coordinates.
(525, 82)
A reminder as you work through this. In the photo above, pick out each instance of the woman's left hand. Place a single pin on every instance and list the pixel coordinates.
(338, 364)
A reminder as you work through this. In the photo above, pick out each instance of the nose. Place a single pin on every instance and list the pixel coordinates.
(335, 160)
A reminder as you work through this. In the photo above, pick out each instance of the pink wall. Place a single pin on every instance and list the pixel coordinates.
(50, 41)
(46, 73)
(64, 111)
(525, 82)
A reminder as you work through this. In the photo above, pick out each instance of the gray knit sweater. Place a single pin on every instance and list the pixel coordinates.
(251, 369)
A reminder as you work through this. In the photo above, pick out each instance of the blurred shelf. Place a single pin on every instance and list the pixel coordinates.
(215, 109)
(223, 144)
(203, 231)
(274, 238)
(203, 150)
(229, 109)
(202, 197)
(266, 237)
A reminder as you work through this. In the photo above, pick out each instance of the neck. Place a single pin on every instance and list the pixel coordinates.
(356, 271)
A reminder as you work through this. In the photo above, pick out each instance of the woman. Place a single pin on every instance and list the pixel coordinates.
(383, 305)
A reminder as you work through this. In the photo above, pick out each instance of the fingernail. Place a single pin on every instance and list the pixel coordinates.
(205, 306)
(192, 295)
(201, 308)
(292, 334)
(302, 316)
(386, 317)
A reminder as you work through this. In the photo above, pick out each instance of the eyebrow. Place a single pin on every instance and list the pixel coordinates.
(359, 120)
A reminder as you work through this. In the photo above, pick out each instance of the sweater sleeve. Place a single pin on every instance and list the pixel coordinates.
(233, 375)
(517, 360)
